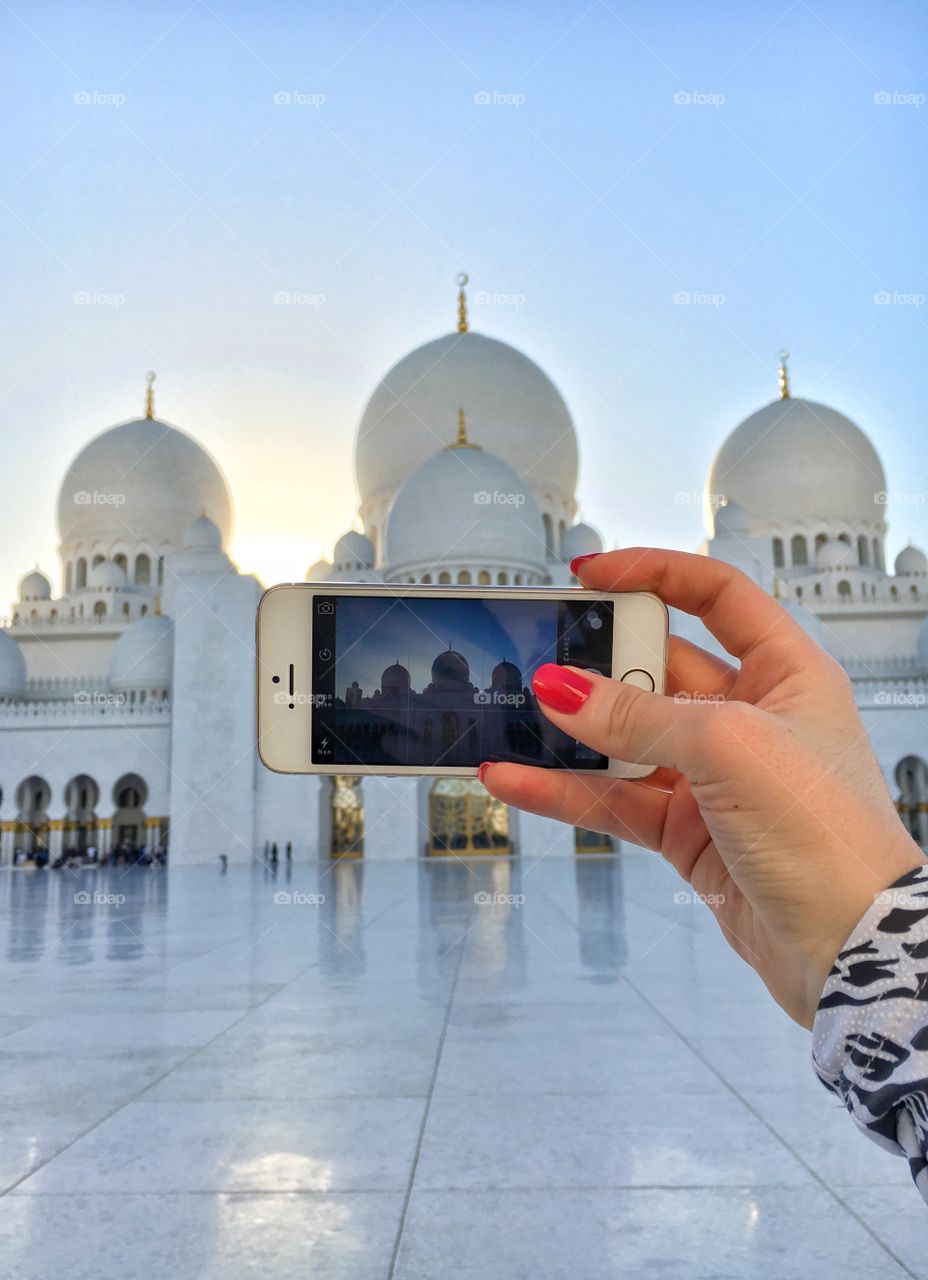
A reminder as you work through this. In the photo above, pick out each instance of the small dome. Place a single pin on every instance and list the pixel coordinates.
(507, 677)
(202, 535)
(464, 506)
(450, 670)
(796, 462)
(353, 551)
(580, 540)
(835, 554)
(143, 656)
(318, 572)
(910, 561)
(35, 586)
(395, 679)
(732, 521)
(12, 667)
(106, 576)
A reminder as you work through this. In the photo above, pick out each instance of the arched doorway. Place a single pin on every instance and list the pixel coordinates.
(912, 803)
(33, 796)
(466, 821)
(81, 797)
(347, 806)
(129, 797)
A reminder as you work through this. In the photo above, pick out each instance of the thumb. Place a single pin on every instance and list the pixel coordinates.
(619, 720)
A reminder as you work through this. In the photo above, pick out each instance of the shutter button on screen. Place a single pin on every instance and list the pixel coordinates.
(639, 678)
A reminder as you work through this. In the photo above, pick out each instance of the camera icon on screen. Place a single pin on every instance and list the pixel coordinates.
(325, 607)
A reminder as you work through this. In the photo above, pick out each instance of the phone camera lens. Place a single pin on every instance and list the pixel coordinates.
(596, 622)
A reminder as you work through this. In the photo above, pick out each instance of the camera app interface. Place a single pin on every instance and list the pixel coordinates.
(439, 682)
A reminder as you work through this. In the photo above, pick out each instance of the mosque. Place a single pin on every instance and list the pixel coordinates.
(127, 694)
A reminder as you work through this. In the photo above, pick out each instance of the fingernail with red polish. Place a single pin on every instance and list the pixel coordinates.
(579, 560)
(482, 770)
(560, 689)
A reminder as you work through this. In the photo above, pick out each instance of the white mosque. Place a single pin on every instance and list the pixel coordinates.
(127, 697)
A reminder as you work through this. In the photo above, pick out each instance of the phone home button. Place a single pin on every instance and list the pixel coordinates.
(640, 678)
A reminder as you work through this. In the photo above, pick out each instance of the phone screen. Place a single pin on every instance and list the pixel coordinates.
(447, 682)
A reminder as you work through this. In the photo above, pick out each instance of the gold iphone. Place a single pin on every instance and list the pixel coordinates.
(396, 679)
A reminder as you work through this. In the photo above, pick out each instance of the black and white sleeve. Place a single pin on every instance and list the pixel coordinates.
(870, 1036)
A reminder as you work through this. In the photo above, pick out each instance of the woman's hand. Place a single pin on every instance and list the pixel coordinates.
(768, 798)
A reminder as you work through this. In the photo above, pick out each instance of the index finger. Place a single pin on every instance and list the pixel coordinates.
(738, 612)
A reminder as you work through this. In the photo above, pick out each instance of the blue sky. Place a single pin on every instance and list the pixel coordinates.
(587, 194)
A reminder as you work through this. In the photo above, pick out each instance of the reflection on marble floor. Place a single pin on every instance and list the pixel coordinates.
(413, 1070)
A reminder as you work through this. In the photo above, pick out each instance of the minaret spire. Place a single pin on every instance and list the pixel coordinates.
(784, 375)
(150, 396)
(462, 302)
(461, 441)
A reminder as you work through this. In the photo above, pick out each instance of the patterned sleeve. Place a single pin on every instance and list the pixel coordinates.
(870, 1036)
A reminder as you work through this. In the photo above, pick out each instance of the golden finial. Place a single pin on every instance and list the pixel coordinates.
(784, 376)
(462, 441)
(462, 303)
(150, 396)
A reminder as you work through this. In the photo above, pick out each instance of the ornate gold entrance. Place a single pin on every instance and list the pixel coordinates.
(347, 817)
(466, 821)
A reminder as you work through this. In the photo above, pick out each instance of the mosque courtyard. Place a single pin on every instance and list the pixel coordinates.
(422, 1070)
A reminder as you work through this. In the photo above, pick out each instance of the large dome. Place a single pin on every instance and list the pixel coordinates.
(464, 506)
(140, 482)
(796, 462)
(513, 409)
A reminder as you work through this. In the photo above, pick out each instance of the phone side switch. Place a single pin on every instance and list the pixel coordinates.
(640, 678)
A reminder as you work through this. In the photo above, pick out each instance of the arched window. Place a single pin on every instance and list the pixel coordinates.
(123, 563)
(549, 534)
(99, 609)
(503, 579)
(894, 593)
(54, 615)
(913, 591)
(81, 573)
(464, 577)
(483, 578)
(444, 577)
(878, 555)
(125, 608)
(67, 578)
(160, 570)
(820, 540)
(98, 559)
(863, 551)
(561, 530)
(427, 578)
(517, 580)
(143, 610)
(142, 569)
(845, 538)
(844, 590)
(799, 593)
(778, 553)
(798, 549)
